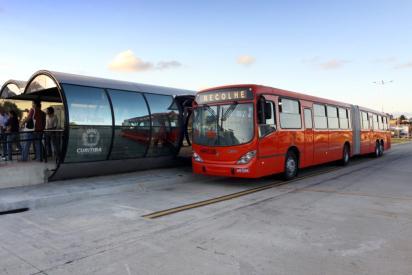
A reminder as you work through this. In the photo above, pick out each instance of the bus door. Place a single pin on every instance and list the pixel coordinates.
(309, 146)
(185, 103)
(364, 133)
(268, 142)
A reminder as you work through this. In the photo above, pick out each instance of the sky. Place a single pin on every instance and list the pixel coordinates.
(332, 49)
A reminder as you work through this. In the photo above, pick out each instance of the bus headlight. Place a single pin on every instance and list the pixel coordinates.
(196, 157)
(246, 158)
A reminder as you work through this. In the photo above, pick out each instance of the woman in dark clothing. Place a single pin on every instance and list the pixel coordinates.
(12, 131)
(34, 126)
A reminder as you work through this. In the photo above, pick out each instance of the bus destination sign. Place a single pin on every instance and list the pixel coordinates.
(224, 95)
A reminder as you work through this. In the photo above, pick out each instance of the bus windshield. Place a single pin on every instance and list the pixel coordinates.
(223, 125)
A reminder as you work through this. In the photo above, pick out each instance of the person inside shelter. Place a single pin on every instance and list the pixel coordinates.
(3, 137)
(12, 133)
(51, 138)
(33, 126)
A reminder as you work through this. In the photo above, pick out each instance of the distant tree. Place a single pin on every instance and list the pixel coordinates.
(402, 117)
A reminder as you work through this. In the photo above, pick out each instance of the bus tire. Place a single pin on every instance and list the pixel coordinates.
(382, 148)
(291, 165)
(345, 155)
(377, 152)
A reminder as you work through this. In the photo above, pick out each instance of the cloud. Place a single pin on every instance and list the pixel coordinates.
(331, 64)
(385, 60)
(246, 60)
(406, 65)
(168, 64)
(127, 61)
(393, 61)
(311, 60)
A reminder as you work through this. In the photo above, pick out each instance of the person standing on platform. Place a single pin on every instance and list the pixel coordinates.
(3, 139)
(51, 138)
(39, 118)
(12, 130)
(34, 125)
(27, 126)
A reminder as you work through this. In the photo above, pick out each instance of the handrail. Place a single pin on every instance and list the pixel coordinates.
(43, 151)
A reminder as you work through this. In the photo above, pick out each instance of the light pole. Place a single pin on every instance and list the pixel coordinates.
(382, 83)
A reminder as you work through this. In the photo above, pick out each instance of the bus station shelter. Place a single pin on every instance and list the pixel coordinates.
(107, 126)
(12, 88)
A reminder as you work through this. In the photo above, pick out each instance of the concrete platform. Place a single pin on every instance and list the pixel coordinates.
(15, 174)
(355, 220)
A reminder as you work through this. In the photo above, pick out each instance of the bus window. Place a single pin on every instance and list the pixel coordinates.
(365, 121)
(289, 114)
(269, 120)
(375, 122)
(343, 118)
(333, 120)
(370, 117)
(223, 125)
(319, 112)
(308, 118)
(380, 123)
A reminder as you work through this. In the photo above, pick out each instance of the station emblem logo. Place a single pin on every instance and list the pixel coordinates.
(90, 139)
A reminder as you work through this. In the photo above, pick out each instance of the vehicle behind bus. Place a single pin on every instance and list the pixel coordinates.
(254, 131)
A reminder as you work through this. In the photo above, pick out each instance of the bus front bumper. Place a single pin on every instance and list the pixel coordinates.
(226, 170)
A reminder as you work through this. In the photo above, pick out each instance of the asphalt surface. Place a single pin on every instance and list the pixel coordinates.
(353, 220)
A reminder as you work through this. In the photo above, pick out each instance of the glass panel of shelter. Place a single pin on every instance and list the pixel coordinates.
(11, 90)
(90, 123)
(166, 130)
(132, 124)
(41, 82)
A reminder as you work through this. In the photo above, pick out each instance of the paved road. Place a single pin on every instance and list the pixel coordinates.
(355, 220)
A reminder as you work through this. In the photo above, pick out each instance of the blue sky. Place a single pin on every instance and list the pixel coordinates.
(333, 49)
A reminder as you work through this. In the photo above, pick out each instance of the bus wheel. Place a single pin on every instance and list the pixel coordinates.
(381, 148)
(291, 165)
(345, 155)
(377, 152)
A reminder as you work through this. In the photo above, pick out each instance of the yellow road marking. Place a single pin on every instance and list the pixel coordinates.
(189, 206)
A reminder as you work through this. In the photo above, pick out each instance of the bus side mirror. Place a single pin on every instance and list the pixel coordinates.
(268, 110)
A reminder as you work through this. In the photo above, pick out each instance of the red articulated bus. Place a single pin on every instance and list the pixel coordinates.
(253, 131)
